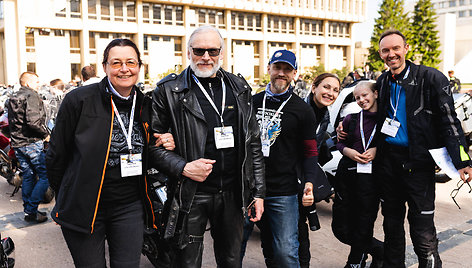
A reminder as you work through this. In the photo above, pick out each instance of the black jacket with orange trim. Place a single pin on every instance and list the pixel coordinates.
(78, 152)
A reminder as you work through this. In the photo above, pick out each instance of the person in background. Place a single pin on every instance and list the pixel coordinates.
(368, 74)
(454, 82)
(97, 162)
(352, 78)
(89, 75)
(287, 127)
(356, 201)
(56, 87)
(217, 167)
(27, 120)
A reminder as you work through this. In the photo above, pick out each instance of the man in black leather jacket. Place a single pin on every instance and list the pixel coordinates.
(27, 120)
(217, 167)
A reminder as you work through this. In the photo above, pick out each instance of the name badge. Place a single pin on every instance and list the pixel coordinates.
(265, 147)
(224, 137)
(390, 127)
(131, 165)
(364, 168)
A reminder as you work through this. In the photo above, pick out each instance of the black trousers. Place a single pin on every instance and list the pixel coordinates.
(355, 208)
(416, 187)
(122, 226)
(226, 221)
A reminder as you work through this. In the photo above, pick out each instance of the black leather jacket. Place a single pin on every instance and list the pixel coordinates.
(431, 118)
(176, 110)
(26, 117)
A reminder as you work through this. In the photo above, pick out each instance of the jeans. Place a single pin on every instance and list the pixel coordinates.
(280, 224)
(32, 162)
(122, 226)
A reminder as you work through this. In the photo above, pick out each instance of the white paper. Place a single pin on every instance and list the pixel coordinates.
(443, 160)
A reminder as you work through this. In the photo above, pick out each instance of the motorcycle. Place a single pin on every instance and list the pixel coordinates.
(154, 246)
(7, 253)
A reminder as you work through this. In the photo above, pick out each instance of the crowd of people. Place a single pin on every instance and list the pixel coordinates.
(235, 160)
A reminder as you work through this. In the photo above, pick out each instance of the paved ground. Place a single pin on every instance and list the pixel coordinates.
(42, 245)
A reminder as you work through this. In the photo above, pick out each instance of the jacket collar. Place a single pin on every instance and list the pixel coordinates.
(407, 77)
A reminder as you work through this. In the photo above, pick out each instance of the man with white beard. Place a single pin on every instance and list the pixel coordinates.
(216, 172)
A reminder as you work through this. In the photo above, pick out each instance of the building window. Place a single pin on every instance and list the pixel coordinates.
(461, 2)
(31, 67)
(44, 32)
(118, 8)
(470, 13)
(92, 48)
(461, 13)
(29, 36)
(277, 24)
(452, 3)
(131, 11)
(205, 16)
(74, 42)
(1, 9)
(246, 21)
(71, 9)
(311, 27)
(105, 9)
(92, 9)
(74, 70)
(338, 29)
(163, 14)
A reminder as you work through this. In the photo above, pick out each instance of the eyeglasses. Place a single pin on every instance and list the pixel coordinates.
(212, 52)
(117, 64)
(456, 191)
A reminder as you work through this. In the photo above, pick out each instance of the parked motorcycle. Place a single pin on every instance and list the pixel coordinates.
(7, 253)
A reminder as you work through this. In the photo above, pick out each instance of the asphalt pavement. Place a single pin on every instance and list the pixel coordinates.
(42, 245)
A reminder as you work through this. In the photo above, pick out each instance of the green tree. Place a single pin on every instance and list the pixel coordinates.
(392, 16)
(424, 41)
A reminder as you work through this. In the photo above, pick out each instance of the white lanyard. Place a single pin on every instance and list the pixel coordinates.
(398, 98)
(265, 125)
(122, 125)
(223, 100)
(361, 126)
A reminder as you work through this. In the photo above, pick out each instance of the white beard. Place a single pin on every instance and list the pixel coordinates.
(207, 73)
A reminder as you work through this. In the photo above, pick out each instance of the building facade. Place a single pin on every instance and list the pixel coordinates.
(56, 38)
(455, 31)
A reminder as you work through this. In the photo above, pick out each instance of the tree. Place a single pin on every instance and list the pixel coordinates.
(424, 42)
(392, 16)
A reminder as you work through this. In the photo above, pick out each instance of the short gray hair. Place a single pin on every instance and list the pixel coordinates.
(202, 29)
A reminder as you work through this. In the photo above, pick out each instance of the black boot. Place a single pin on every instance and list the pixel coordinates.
(432, 261)
(355, 260)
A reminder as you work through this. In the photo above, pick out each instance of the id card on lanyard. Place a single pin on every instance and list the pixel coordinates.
(365, 168)
(265, 139)
(224, 136)
(130, 164)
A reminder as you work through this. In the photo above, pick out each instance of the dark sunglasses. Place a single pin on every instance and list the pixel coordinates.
(456, 191)
(212, 52)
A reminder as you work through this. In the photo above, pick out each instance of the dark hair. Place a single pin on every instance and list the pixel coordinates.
(88, 72)
(322, 77)
(390, 32)
(121, 43)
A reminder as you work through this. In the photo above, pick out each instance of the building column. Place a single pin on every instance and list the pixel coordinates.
(185, 38)
(84, 37)
(227, 59)
(263, 50)
(139, 38)
(325, 47)
(14, 62)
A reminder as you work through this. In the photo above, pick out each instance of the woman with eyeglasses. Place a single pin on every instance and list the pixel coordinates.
(97, 161)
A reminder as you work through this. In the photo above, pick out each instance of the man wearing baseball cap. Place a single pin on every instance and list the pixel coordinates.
(287, 127)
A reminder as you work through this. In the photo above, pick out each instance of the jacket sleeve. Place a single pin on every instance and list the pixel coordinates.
(61, 142)
(257, 157)
(166, 161)
(35, 116)
(450, 128)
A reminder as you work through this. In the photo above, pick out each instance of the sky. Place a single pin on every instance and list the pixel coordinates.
(363, 31)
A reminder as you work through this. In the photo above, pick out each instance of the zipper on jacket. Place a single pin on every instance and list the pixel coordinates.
(145, 126)
(245, 158)
(104, 166)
